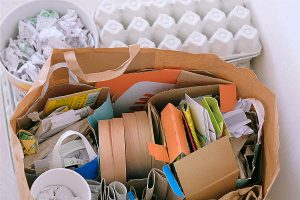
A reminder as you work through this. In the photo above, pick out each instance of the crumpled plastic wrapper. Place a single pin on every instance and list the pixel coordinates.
(37, 36)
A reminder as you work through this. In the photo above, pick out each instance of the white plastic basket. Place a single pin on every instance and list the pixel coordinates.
(9, 29)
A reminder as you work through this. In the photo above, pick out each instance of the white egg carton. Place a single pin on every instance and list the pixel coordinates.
(222, 27)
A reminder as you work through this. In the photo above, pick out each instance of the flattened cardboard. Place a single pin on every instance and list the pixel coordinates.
(189, 79)
(174, 96)
(209, 172)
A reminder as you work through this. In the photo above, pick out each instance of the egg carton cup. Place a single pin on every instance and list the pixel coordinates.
(222, 27)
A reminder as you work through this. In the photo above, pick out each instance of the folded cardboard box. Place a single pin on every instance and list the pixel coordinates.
(209, 172)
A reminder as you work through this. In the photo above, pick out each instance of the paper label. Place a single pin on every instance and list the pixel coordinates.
(72, 101)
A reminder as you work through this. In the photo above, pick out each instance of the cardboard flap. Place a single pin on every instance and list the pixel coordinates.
(159, 152)
(209, 172)
(189, 79)
(173, 127)
(174, 96)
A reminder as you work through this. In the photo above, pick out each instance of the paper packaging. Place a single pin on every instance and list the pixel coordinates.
(201, 177)
(247, 86)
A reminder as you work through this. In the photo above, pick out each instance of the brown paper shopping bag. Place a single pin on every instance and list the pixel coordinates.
(93, 65)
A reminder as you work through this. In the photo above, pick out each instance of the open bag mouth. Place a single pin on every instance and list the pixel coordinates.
(133, 141)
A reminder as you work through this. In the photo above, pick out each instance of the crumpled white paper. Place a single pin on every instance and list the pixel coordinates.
(37, 36)
(56, 192)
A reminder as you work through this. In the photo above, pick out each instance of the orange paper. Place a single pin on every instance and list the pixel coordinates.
(173, 127)
(228, 97)
(159, 152)
(120, 84)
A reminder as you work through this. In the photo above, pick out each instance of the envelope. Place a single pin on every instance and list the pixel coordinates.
(212, 106)
(175, 135)
(201, 120)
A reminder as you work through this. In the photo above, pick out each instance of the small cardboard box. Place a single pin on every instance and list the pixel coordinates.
(209, 172)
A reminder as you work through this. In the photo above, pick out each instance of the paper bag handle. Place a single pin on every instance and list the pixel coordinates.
(72, 77)
(74, 66)
(56, 161)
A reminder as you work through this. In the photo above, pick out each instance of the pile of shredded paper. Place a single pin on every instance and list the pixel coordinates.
(36, 38)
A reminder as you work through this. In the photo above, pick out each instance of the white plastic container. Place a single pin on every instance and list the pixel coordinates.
(61, 176)
(214, 14)
(9, 29)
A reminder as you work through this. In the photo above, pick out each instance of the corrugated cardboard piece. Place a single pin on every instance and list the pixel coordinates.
(104, 64)
(208, 170)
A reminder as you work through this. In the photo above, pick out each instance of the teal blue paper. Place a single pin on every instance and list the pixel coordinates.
(105, 111)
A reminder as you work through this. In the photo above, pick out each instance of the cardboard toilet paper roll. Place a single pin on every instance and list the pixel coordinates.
(137, 135)
(112, 150)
